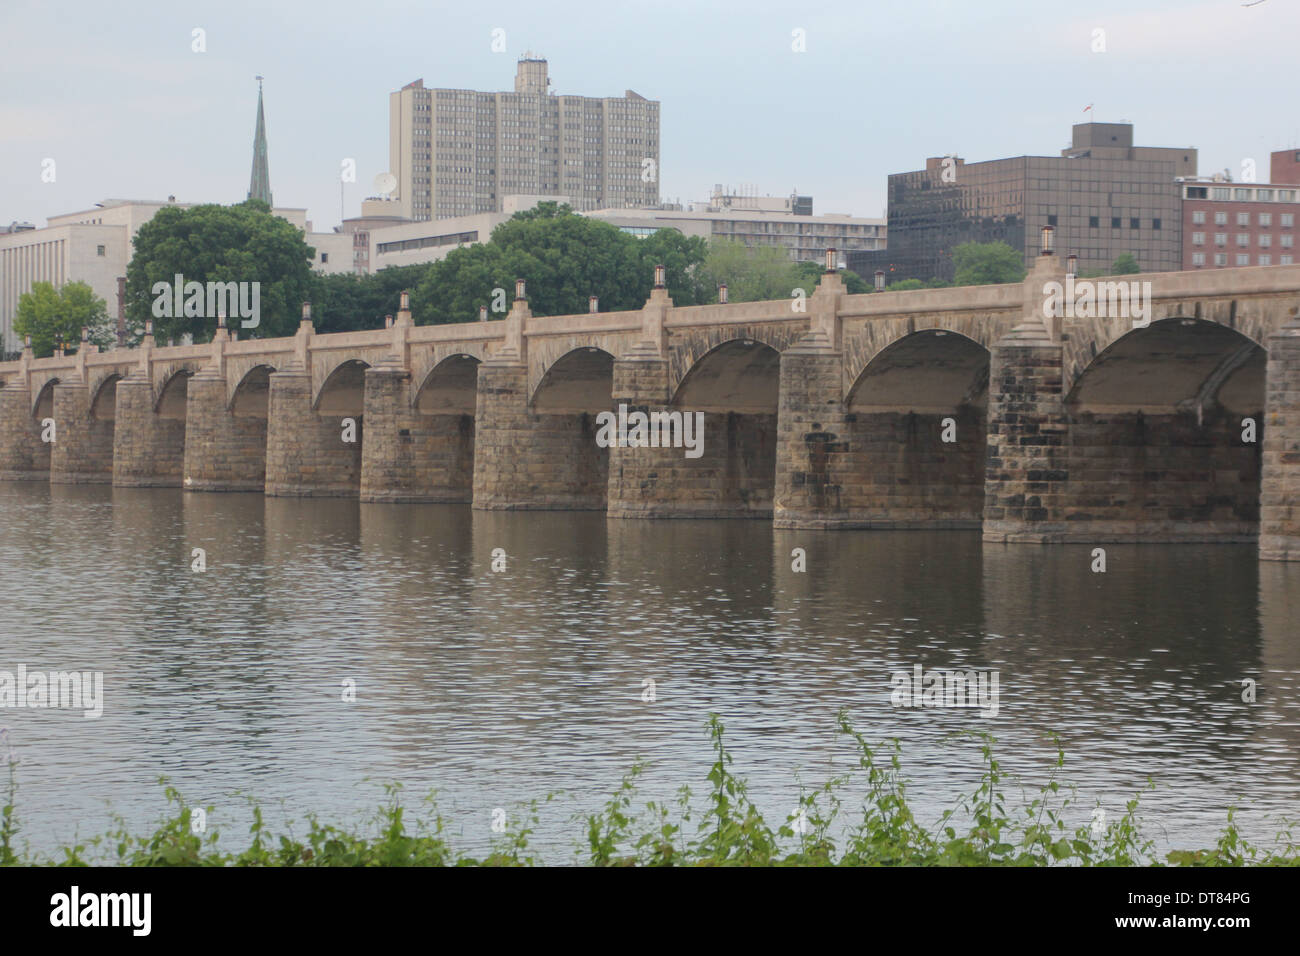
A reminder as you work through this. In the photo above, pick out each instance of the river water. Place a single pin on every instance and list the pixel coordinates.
(495, 688)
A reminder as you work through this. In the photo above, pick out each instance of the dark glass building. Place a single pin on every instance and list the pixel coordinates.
(1104, 195)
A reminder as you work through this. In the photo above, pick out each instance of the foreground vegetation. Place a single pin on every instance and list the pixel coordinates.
(729, 830)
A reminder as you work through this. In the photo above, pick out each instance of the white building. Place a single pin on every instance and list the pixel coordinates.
(415, 242)
(94, 246)
(786, 222)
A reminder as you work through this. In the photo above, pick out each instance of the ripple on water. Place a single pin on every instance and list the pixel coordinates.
(494, 689)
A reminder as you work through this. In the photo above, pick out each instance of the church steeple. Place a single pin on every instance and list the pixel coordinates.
(259, 183)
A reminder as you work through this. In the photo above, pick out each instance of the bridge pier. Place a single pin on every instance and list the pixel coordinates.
(642, 483)
(409, 455)
(526, 460)
(23, 456)
(813, 464)
(148, 448)
(1025, 483)
(82, 452)
(1279, 532)
(223, 451)
(306, 455)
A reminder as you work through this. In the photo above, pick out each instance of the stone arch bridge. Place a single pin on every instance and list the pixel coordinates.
(971, 407)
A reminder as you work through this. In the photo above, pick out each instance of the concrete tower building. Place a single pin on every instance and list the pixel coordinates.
(461, 152)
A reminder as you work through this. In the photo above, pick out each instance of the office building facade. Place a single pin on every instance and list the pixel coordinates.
(1103, 195)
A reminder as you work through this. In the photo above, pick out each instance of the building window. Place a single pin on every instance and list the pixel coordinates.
(1198, 217)
(1155, 223)
(1265, 241)
(1093, 222)
(1220, 259)
(1240, 194)
(1114, 222)
(324, 257)
(1285, 261)
(1198, 258)
(1288, 220)
(1220, 218)
(1133, 222)
(1286, 195)
(1266, 219)
(1243, 219)
(1243, 259)
(1220, 238)
(1198, 238)
(1051, 220)
(99, 250)
(1264, 195)
(1243, 238)
(1286, 241)
(1265, 260)
(1220, 192)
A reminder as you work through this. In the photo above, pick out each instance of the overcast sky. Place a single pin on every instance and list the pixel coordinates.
(114, 94)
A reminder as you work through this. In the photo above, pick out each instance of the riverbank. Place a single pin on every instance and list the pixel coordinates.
(985, 828)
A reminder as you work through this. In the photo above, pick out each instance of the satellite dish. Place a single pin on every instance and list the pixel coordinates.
(385, 183)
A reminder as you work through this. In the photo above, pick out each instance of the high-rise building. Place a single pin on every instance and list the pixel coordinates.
(1103, 195)
(461, 152)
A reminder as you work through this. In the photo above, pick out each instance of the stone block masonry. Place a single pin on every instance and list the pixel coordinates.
(529, 461)
(148, 449)
(1083, 428)
(223, 451)
(83, 451)
(409, 455)
(1279, 532)
(23, 456)
(306, 455)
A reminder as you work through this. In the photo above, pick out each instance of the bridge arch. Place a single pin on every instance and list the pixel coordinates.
(733, 389)
(172, 395)
(342, 391)
(103, 397)
(251, 395)
(739, 375)
(43, 403)
(450, 387)
(1166, 427)
(1173, 363)
(930, 370)
(579, 381)
(916, 432)
(1088, 339)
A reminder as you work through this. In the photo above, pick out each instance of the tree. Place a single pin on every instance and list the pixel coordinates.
(1125, 265)
(347, 301)
(48, 316)
(987, 263)
(212, 243)
(564, 258)
(682, 257)
(751, 273)
(808, 274)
